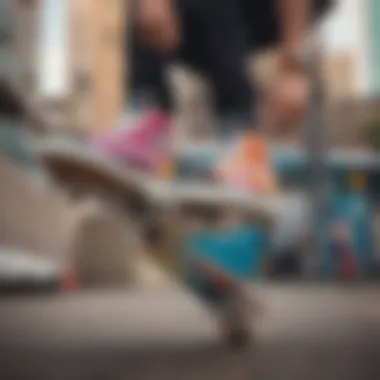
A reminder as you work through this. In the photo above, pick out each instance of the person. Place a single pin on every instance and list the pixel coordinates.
(213, 37)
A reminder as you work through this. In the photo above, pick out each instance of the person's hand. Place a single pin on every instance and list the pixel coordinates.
(287, 98)
(159, 24)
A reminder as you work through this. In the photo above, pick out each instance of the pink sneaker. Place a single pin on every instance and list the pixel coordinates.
(144, 144)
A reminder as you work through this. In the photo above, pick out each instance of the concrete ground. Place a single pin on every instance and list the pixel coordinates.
(307, 333)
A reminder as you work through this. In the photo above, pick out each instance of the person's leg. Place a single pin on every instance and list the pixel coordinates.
(138, 137)
(215, 44)
(146, 80)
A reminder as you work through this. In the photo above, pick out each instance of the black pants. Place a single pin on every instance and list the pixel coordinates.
(217, 37)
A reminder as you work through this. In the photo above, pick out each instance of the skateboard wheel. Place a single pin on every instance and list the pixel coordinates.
(222, 282)
(239, 338)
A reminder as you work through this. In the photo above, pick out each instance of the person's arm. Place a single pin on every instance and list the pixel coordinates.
(294, 16)
(287, 96)
(159, 24)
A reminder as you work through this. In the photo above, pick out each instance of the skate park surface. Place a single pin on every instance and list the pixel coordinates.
(307, 332)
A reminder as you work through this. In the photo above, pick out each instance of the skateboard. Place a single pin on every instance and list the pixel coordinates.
(204, 226)
(83, 172)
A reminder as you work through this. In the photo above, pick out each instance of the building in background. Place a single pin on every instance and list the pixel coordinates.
(95, 61)
(92, 44)
(71, 55)
(351, 40)
(345, 40)
(373, 29)
(339, 69)
(25, 47)
(97, 50)
(351, 37)
(7, 36)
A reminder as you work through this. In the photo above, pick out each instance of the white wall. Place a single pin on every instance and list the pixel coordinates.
(346, 29)
(53, 48)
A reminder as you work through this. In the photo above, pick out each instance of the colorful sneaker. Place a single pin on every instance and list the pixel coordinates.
(247, 166)
(142, 142)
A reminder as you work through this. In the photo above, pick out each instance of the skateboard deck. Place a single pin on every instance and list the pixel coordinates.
(82, 170)
(205, 225)
(196, 214)
(79, 166)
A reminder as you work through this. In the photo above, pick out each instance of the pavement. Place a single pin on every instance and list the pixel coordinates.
(307, 332)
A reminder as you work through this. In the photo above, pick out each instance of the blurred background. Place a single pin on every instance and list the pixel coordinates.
(63, 66)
